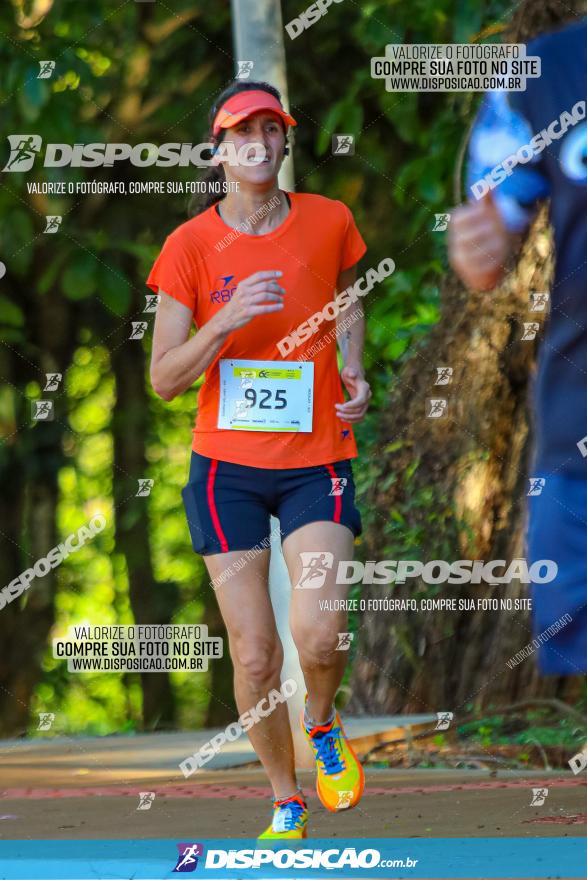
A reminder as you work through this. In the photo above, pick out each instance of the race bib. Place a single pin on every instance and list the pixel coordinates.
(266, 395)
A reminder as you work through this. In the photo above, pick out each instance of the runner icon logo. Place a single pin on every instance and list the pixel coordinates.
(537, 484)
(338, 484)
(53, 380)
(578, 762)
(344, 641)
(441, 222)
(53, 222)
(444, 375)
(314, 568)
(539, 301)
(344, 800)
(539, 795)
(23, 150)
(46, 68)
(188, 857)
(42, 410)
(531, 328)
(444, 719)
(146, 799)
(46, 719)
(436, 408)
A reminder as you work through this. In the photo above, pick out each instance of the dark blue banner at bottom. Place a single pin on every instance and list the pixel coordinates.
(445, 859)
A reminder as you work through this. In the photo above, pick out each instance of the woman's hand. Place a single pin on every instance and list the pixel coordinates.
(256, 295)
(354, 410)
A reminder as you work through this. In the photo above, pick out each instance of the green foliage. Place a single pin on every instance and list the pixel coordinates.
(118, 78)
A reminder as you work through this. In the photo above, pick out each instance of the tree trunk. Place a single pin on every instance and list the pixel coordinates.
(30, 462)
(151, 602)
(455, 488)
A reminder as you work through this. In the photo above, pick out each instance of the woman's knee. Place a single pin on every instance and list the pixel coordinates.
(317, 645)
(257, 658)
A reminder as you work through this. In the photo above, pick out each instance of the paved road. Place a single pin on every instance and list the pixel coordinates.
(235, 803)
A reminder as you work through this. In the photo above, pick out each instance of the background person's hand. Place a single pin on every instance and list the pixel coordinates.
(478, 244)
(354, 410)
(258, 294)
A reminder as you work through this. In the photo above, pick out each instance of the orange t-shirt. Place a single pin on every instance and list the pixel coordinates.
(201, 264)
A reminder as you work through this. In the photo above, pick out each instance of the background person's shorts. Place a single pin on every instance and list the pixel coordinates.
(228, 506)
(557, 530)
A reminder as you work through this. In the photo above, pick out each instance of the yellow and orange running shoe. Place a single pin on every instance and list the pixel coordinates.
(341, 778)
(290, 818)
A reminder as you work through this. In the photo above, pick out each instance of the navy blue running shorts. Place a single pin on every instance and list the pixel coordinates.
(228, 506)
(557, 531)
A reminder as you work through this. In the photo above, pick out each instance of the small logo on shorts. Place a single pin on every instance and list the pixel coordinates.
(338, 485)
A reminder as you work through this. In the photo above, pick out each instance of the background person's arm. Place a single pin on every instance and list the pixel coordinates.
(479, 244)
(484, 233)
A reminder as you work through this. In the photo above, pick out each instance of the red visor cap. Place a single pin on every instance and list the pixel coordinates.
(244, 104)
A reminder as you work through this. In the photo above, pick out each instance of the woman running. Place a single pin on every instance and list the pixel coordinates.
(273, 433)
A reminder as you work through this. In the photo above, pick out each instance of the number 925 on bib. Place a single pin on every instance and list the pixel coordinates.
(266, 395)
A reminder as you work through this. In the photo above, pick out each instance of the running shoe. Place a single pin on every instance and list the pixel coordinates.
(341, 778)
(290, 817)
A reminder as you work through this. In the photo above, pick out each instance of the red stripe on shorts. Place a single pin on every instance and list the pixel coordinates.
(337, 498)
(212, 505)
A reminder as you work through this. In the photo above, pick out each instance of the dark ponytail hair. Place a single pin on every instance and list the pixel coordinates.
(215, 173)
